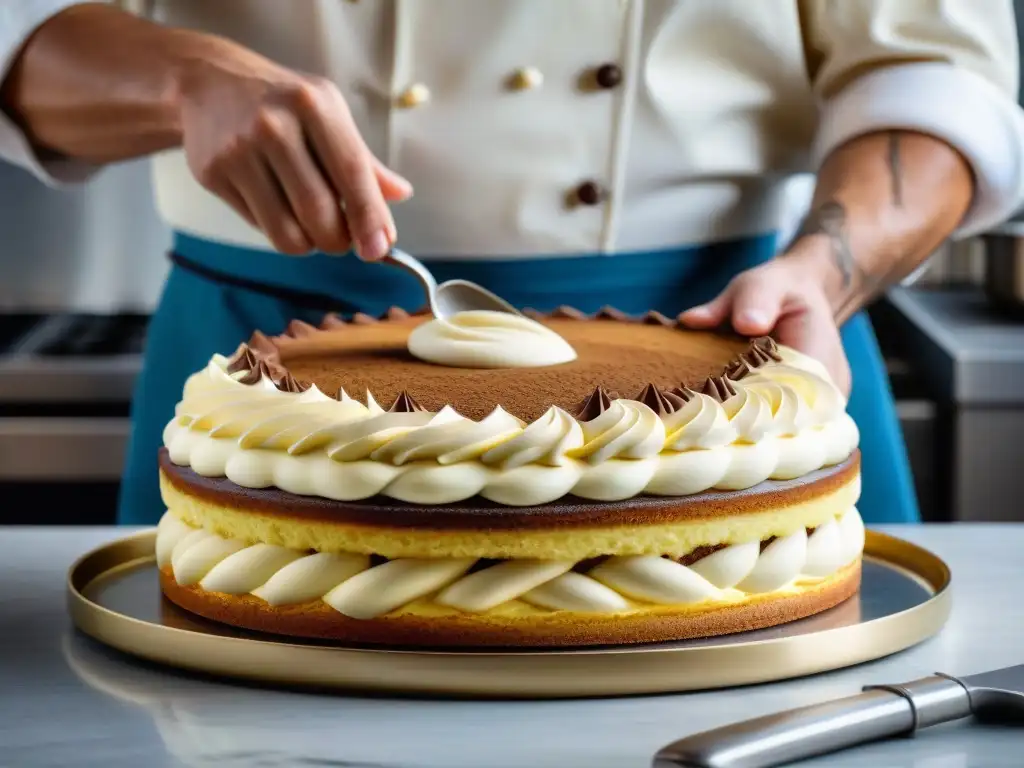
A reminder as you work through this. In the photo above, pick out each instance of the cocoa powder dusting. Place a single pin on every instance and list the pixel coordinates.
(612, 354)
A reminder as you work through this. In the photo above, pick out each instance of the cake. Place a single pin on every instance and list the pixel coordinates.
(555, 480)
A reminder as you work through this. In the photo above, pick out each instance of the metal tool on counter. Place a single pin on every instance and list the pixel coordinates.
(451, 296)
(880, 711)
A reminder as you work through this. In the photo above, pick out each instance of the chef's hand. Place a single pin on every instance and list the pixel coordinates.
(784, 298)
(281, 148)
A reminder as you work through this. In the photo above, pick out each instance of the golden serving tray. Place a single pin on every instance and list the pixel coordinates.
(114, 596)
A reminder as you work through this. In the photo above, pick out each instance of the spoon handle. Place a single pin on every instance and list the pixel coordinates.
(415, 267)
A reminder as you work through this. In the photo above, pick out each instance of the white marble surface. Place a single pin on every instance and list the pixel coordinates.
(65, 701)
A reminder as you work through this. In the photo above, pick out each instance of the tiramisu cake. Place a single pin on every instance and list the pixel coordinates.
(500, 480)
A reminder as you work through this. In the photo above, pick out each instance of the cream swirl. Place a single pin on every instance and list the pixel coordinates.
(356, 587)
(790, 414)
(750, 415)
(626, 430)
(547, 441)
(488, 339)
(781, 422)
(700, 423)
(824, 400)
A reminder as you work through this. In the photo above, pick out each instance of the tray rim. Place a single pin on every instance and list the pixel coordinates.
(511, 673)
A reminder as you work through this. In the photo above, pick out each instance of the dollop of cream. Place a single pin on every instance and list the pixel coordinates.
(488, 339)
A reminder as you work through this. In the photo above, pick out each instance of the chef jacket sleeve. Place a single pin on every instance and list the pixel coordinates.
(19, 19)
(948, 68)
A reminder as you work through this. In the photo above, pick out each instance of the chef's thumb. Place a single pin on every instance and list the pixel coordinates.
(709, 315)
(757, 304)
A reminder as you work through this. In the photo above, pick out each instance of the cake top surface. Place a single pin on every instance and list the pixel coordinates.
(616, 356)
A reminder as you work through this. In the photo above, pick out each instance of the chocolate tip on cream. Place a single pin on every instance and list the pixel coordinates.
(597, 403)
(254, 374)
(299, 328)
(242, 360)
(262, 344)
(395, 313)
(611, 313)
(763, 351)
(404, 403)
(332, 321)
(534, 314)
(288, 383)
(660, 401)
(566, 312)
(361, 318)
(684, 393)
(656, 318)
(738, 369)
(719, 388)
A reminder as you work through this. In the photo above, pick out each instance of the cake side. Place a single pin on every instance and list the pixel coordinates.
(772, 413)
(355, 596)
(415, 627)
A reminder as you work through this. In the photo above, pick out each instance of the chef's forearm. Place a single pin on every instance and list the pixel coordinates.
(98, 84)
(883, 203)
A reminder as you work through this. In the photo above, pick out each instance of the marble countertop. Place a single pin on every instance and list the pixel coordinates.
(66, 701)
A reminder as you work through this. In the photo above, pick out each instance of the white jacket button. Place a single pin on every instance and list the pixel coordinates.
(414, 96)
(526, 78)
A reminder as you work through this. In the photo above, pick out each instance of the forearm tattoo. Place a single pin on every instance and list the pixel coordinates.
(829, 219)
(858, 284)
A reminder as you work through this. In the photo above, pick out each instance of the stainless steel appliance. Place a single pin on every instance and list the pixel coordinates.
(968, 357)
(1002, 254)
(65, 389)
(80, 270)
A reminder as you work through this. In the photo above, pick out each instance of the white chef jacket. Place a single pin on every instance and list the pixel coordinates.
(490, 108)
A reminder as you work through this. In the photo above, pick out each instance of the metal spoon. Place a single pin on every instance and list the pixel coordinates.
(451, 296)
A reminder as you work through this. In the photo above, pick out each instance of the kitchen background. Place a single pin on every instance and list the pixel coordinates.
(81, 268)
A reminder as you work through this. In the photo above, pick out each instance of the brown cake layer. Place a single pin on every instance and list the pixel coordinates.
(480, 514)
(617, 354)
(554, 629)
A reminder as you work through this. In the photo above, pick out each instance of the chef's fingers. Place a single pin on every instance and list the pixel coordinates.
(395, 188)
(759, 297)
(712, 314)
(314, 204)
(350, 166)
(222, 187)
(809, 327)
(264, 198)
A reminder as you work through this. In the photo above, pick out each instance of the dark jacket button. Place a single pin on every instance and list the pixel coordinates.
(588, 193)
(608, 75)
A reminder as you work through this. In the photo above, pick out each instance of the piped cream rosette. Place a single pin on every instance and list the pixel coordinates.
(780, 421)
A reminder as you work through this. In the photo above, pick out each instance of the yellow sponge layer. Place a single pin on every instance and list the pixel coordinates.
(572, 543)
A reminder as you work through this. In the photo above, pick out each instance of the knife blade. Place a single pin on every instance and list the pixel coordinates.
(878, 712)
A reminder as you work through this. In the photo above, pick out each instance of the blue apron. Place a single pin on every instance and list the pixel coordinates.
(216, 295)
